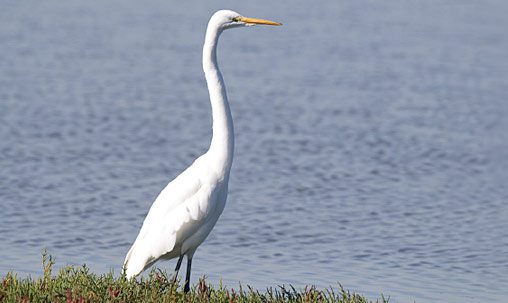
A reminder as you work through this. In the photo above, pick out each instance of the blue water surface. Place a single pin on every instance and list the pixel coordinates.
(371, 140)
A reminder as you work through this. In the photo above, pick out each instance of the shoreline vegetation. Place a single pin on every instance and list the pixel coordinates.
(75, 284)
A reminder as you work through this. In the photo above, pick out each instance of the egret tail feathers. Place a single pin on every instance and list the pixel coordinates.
(135, 263)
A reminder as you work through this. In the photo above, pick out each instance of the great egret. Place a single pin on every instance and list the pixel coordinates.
(186, 210)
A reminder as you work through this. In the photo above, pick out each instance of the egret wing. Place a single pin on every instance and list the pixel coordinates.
(175, 214)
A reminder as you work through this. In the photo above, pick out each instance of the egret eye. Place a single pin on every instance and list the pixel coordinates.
(236, 19)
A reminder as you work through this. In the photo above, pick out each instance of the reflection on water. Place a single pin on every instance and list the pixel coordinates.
(371, 140)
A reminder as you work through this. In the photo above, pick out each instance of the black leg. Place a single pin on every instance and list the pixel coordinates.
(186, 287)
(177, 268)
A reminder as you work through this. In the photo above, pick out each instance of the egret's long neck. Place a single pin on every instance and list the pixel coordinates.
(221, 148)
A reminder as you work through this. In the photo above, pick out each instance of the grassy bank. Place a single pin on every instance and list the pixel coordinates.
(78, 285)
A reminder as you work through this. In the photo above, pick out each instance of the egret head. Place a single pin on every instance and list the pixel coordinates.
(225, 19)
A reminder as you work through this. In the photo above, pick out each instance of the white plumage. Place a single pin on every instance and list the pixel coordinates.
(186, 210)
(182, 211)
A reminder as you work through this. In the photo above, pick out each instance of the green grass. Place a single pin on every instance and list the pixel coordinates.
(79, 285)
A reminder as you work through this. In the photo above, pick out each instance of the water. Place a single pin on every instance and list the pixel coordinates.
(370, 140)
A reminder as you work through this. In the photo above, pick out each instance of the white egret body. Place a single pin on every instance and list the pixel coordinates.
(186, 210)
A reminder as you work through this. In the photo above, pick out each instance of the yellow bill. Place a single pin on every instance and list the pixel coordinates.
(258, 21)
